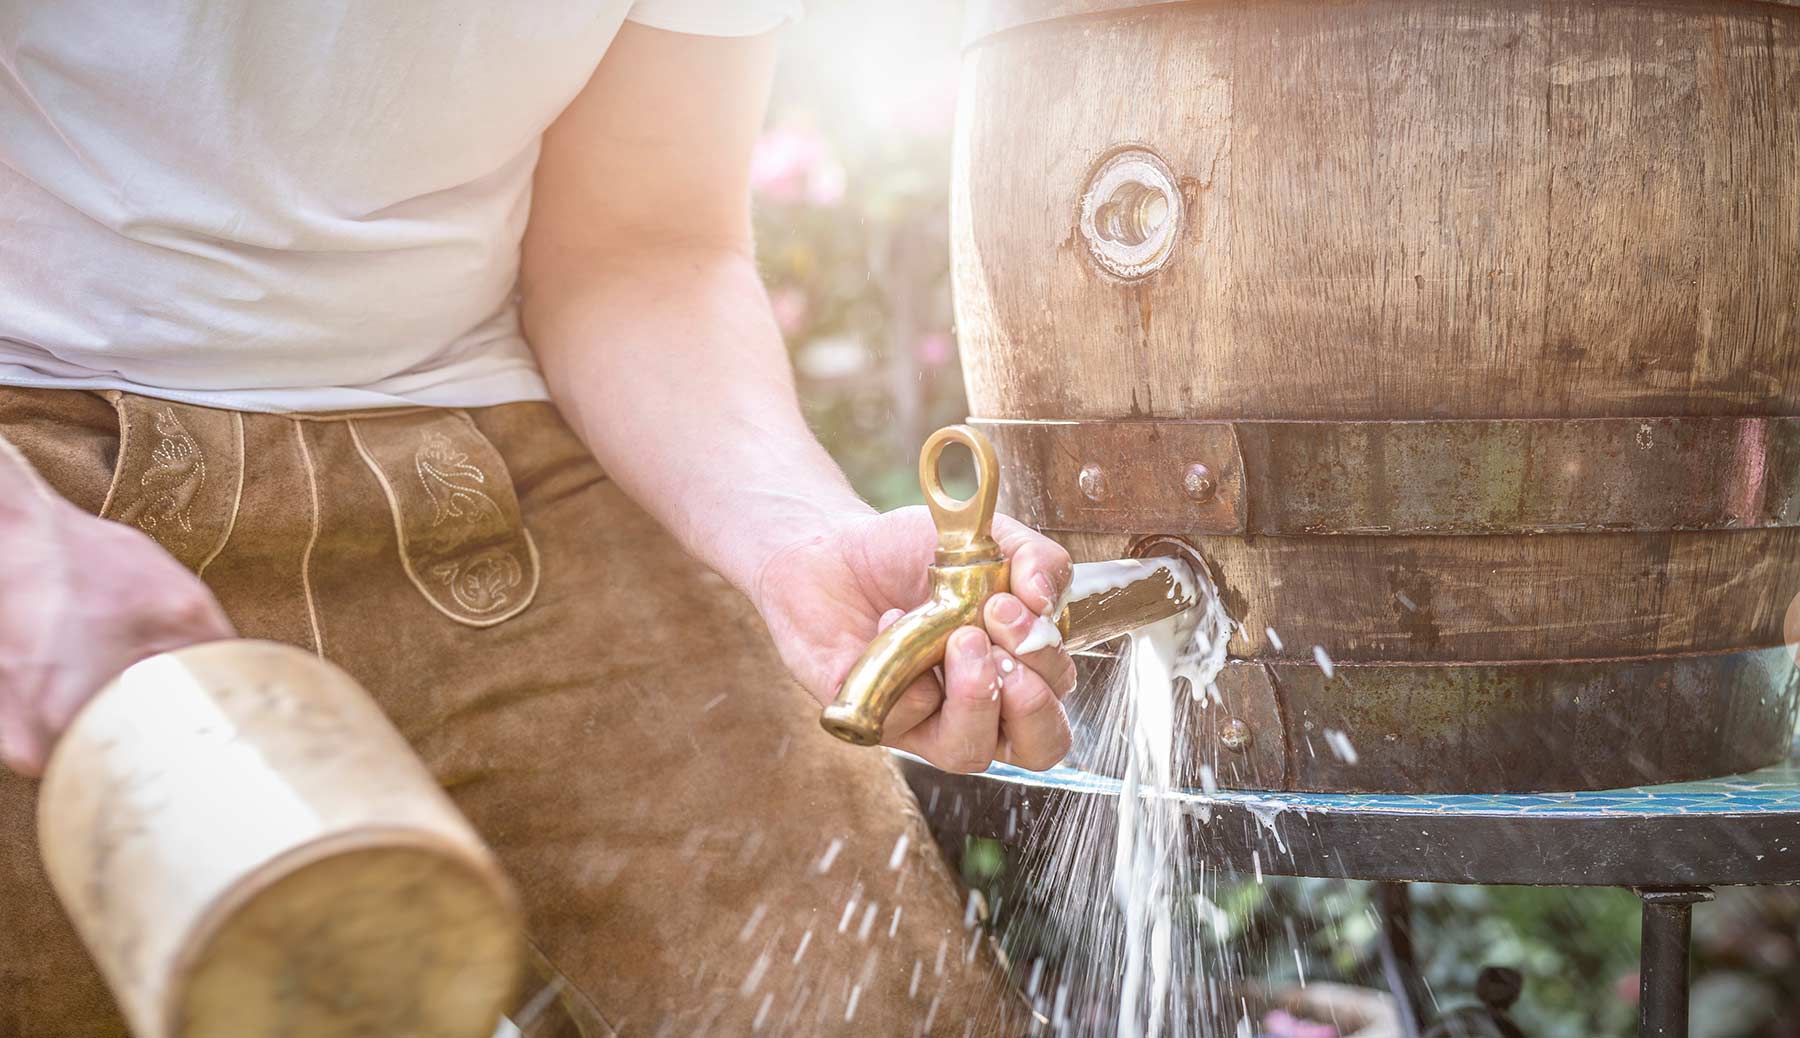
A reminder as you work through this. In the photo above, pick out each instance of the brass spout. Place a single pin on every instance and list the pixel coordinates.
(1105, 599)
(913, 645)
(969, 568)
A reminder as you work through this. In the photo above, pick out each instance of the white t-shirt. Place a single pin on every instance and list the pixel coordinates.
(287, 205)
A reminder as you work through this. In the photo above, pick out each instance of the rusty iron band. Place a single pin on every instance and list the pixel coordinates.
(1400, 478)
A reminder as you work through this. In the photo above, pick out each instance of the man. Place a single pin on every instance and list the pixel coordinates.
(283, 291)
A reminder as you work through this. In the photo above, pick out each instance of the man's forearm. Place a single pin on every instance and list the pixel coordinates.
(668, 363)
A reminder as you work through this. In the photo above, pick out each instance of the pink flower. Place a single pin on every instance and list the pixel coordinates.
(792, 164)
(1282, 1024)
(791, 306)
(934, 349)
(1625, 989)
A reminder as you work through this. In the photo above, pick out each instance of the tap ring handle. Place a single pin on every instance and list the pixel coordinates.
(965, 527)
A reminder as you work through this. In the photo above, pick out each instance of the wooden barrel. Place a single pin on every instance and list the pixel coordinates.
(250, 850)
(1461, 338)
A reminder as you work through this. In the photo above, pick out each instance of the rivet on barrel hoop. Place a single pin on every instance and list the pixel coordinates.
(1131, 214)
(1092, 481)
(1198, 483)
(1234, 735)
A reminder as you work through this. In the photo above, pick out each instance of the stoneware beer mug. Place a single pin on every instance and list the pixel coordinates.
(250, 849)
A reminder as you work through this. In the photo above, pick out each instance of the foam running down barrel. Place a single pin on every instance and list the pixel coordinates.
(250, 850)
(1461, 338)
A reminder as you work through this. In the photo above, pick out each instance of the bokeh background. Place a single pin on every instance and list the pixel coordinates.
(852, 185)
(851, 179)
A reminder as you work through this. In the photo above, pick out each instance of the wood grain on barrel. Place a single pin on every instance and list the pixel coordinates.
(1397, 209)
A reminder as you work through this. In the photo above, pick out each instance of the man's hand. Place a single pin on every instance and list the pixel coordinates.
(81, 599)
(824, 599)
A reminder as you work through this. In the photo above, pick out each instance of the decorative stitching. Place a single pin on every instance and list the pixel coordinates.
(312, 538)
(352, 416)
(480, 586)
(481, 583)
(447, 475)
(175, 476)
(117, 400)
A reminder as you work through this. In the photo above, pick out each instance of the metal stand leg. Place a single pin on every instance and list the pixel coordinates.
(1663, 960)
(1398, 960)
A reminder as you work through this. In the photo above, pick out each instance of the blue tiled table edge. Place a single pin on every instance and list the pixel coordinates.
(1771, 790)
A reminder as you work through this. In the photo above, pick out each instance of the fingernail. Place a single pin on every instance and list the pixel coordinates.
(971, 644)
(1008, 609)
(1044, 587)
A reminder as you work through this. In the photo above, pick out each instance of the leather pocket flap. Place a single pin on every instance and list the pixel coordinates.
(462, 539)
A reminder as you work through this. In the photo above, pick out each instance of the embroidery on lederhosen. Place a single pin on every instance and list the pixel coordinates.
(179, 477)
(488, 579)
(462, 539)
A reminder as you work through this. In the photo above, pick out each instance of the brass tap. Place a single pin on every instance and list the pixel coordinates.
(1106, 599)
(969, 568)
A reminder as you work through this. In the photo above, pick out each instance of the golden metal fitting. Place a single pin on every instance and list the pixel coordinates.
(968, 570)
(1116, 597)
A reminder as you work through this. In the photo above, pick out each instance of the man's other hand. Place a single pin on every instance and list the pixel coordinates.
(81, 599)
(826, 597)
